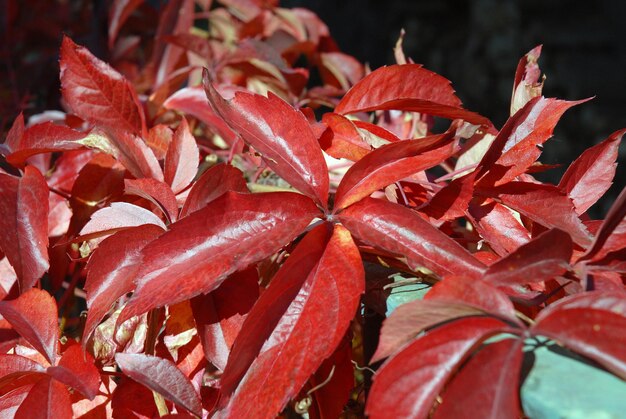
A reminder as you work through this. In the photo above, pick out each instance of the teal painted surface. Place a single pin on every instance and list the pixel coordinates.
(559, 386)
(405, 293)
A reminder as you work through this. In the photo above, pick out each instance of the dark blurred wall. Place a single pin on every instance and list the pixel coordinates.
(477, 44)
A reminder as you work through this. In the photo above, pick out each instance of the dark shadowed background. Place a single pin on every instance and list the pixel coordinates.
(474, 43)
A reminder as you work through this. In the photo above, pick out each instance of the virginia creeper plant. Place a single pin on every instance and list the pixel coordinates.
(205, 231)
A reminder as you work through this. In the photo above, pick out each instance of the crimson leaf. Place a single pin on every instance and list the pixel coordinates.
(329, 295)
(24, 225)
(202, 249)
(162, 376)
(591, 175)
(543, 258)
(391, 163)
(97, 93)
(402, 231)
(34, 316)
(407, 87)
(408, 383)
(281, 134)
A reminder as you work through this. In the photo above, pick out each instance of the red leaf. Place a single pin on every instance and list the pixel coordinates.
(267, 312)
(451, 201)
(412, 318)
(346, 141)
(281, 134)
(159, 139)
(407, 87)
(611, 236)
(34, 316)
(99, 182)
(97, 93)
(132, 400)
(10, 402)
(47, 399)
(162, 376)
(334, 381)
(592, 324)
(14, 136)
(219, 316)
(450, 299)
(181, 161)
(24, 225)
(408, 383)
(391, 163)
(202, 249)
(118, 13)
(118, 216)
(13, 366)
(516, 147)
(159, 193)
(193, 101)
(44, 138)
(591, 175)
(541, 259)
(487, 386)
(477, 293)
(544, 204)
(328, 295)
(526, 85)
(491, 219)
(136, 156)
(213, 183)
(77, 370)
(402, 231)
(111, 269)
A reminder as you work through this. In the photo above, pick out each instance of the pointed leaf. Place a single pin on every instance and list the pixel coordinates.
(329, 296)
(591, 175)
(202, 249)
(162, 376)
(450, 299)
(281, 134)
(402, 231)
(97, 93)
(491, 219)
(219, 317)
(48, 399)
(77, 370)
(516, 147)
(407, 87)
(213, 183)
(408, 383)
(487, 386)
(193, 101)
(159, 193)
(111, 269)
(543, 258)
(474, 292)
(268, 311)
(544, 204)
(44, 138)
(591, 324)
(391, 163)
(118, 13)
(181, 160)
(118, 216)
(24, 225)
(451, 201)
(611, 236)
(34, 316)
(346, 141)
(12, 366)
(526, 85)
(410, 319)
